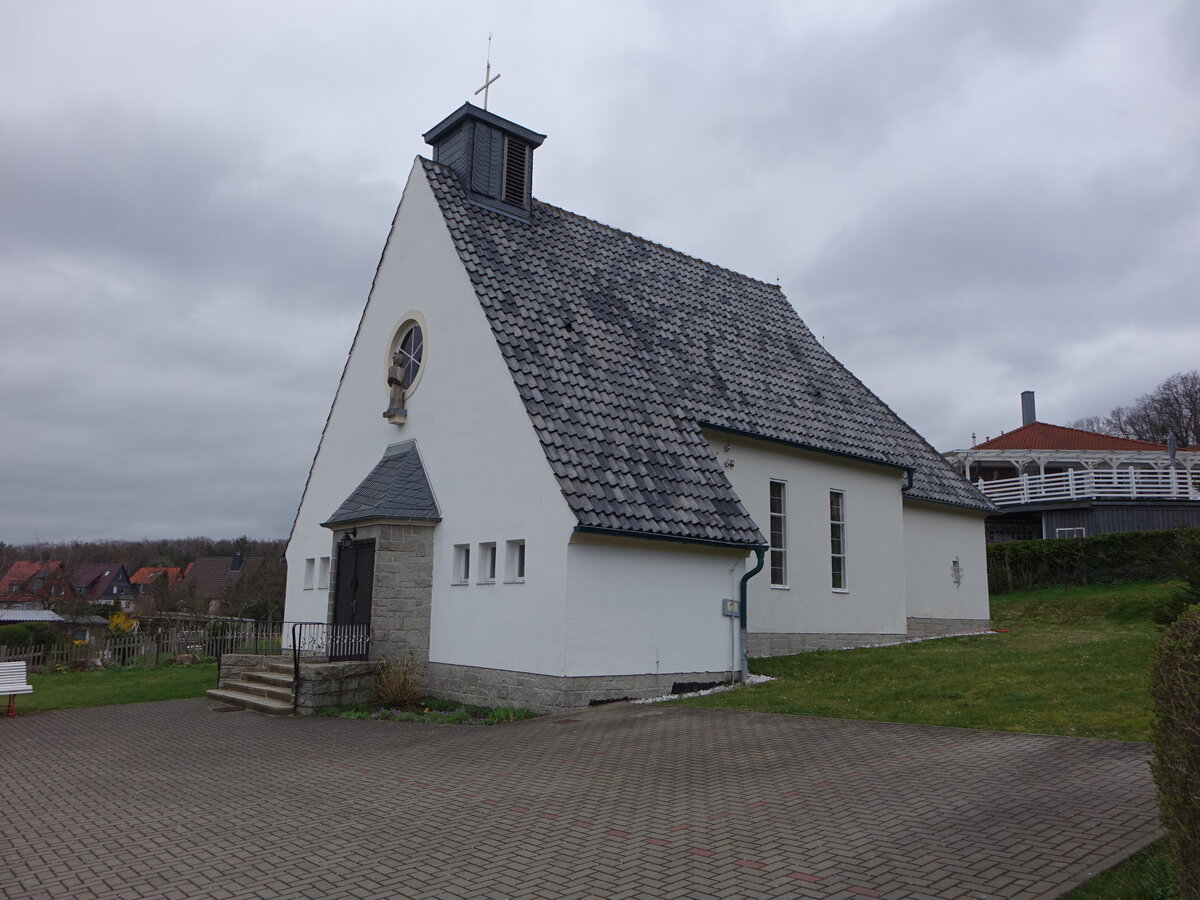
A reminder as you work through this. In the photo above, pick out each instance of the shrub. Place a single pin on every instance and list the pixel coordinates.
(14, 636)
(399, 685)
(1187, 564)
(43, 633)
(1175, 688)
(121, 625)
(1106, 558)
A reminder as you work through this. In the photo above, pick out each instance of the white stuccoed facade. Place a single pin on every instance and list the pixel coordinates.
(487, 470)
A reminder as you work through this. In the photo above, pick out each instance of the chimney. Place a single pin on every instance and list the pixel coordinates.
(1028, 413)
(492, 157)
(236, 565)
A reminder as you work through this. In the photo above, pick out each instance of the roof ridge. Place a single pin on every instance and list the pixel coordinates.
(1100, 434)
(637, 237)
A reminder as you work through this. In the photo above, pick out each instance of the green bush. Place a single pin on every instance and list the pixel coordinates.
(15, 635)
(1187, 564)
(43, 633)
(1104, 559)
(1175, 688)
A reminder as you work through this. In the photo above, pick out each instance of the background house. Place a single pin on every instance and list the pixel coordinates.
(558, 450)
(104, 583)
(209, 579)
(32, 585)
(1049, 481)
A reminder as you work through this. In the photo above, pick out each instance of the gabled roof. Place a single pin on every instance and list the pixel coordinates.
(93, 579)
(212, 574)
(19, 573)
(623, 350)
(149, 574)
(1041, 436)
(22, 574)
(397, 488)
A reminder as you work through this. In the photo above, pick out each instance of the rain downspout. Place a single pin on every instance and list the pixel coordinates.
(761, 552)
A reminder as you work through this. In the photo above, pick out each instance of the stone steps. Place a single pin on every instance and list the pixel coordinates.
(252, 701)
(267, 691)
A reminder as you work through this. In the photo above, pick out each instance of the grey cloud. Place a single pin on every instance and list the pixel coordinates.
(189, 202)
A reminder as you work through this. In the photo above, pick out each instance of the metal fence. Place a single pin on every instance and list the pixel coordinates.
(204, 638)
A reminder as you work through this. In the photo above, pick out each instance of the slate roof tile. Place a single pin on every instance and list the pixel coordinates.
(397, 488)
(623, 349)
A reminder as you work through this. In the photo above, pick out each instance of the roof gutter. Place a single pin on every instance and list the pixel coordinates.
(674, 539)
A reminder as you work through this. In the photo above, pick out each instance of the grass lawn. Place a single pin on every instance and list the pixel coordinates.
(104, 687)
(1069, 661)
(1144, 876)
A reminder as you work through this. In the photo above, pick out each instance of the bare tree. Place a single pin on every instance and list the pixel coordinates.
(1098, 424)
(1172, 407)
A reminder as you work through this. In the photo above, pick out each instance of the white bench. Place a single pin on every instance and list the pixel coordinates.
(12, 682)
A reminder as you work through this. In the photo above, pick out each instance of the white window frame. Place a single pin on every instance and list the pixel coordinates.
(514, 561)
(837, 527)
(462, 564)
(1075, 532)
(323, 573)
(778, 554)
(309, 566)
(487, 563)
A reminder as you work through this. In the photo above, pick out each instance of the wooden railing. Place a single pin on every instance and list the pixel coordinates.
(1095, 484)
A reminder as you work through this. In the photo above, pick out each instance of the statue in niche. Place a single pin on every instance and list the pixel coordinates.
(395, 382)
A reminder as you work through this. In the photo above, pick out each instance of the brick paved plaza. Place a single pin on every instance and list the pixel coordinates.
(174, 800)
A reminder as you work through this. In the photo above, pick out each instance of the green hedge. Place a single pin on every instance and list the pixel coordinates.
(1175, 687)
(1129, 556)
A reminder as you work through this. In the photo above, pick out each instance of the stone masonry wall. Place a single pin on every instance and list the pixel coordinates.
(235, 665)
(787, 644)
(548, 693)
(334, 684)
(402, 593)
(783, 644)
(934, 627)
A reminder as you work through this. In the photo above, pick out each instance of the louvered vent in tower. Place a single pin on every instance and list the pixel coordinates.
(516, 161)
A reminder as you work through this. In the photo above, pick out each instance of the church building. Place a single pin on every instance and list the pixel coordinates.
(562, 459)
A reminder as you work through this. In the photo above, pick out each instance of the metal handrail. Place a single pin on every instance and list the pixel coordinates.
(336, 641)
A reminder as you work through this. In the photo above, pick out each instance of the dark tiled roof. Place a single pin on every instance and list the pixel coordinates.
(397, 488)
(1041, 436)
(93, 579)
(211, 575)
(622, 349)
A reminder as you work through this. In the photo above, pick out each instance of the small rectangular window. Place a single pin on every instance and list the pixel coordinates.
(309, 565)
(1070, 532)
(323, 574)
(779, 570)
(837, 539)
(462, 563)
(487, 563)
(514, 562)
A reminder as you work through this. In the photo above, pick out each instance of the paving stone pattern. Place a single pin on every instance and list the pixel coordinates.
(175, 800)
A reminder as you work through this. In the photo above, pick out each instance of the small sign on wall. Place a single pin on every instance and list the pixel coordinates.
(730, 607)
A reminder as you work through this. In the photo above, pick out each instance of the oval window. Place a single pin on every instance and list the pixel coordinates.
(408, 356)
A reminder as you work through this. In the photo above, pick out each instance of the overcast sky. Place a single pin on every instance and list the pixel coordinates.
(963, 199)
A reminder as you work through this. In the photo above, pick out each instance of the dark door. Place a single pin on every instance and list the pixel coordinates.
(352, 601)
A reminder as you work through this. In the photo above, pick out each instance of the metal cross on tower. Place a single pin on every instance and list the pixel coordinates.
(487, 78)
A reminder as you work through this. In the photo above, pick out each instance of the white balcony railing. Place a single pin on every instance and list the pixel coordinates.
(1095, 484)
